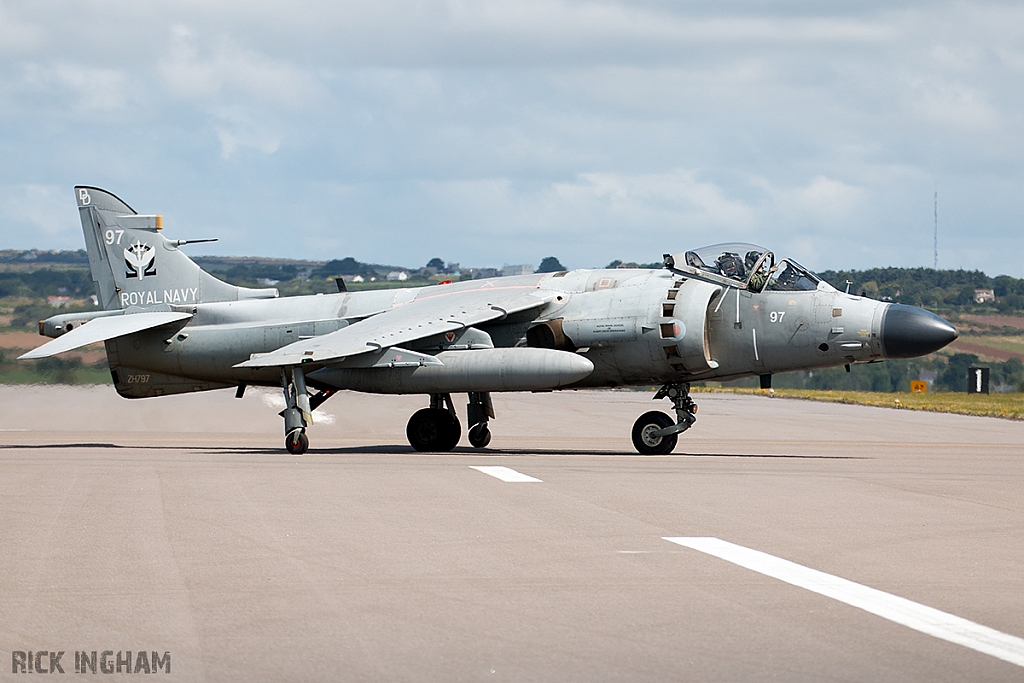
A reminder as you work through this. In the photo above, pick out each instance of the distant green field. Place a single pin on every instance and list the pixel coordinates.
(1010, 405)
(50, 370)
(1012, 344)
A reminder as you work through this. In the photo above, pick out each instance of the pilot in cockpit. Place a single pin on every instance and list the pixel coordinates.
(751, 258)
(751, 265)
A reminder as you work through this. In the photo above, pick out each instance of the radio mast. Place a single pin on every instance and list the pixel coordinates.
(935, 238)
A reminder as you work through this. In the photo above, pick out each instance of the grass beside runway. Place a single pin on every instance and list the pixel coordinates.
(1010, 405)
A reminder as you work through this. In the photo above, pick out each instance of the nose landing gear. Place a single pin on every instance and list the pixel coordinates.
(654, 433)
(645, 434)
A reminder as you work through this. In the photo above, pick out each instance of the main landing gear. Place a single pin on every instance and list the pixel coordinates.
(654, 433)
(298, 410)
(437, 428)
(478, 410)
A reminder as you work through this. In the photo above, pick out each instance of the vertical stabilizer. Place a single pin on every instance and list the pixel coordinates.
(136, 267)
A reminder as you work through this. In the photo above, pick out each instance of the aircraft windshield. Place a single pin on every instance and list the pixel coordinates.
(733, 261)
(792, 277)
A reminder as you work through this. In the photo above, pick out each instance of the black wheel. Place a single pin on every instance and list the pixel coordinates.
(433, 429)
(297, 442)
(479, 435)
(648, 444)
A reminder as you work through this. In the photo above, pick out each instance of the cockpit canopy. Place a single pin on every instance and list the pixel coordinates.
(790, 276)
(749, 265)
(732, 260)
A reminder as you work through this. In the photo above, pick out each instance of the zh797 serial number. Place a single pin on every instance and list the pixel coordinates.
(136, 379)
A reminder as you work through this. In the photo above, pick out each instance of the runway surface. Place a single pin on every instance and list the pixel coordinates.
(180, 525)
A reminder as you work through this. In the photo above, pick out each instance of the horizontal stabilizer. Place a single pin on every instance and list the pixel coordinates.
(102, 329)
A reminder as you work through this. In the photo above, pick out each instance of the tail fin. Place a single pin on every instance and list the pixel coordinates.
(135, 267)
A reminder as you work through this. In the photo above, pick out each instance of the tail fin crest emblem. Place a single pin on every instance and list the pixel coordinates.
(140, 260)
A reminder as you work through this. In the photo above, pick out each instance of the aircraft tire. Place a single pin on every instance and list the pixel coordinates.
(479, 435)
(433, 429)
(297, 442)
(648, 445)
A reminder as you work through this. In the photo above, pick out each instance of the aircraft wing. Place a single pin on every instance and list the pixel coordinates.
(104, 328)
(422, 317)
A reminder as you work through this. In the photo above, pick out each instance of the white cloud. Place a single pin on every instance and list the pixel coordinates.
(236, 130)
(17, 36)
(230, 71)
(89, 90)
(560, 27)
(954, 105)
(823, 202)
(677, 196)
(38, 215)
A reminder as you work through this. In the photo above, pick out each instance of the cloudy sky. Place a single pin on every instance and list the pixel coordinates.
(491, 132)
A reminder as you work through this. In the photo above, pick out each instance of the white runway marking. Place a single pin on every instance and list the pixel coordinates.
(504, 473)
(911, 614)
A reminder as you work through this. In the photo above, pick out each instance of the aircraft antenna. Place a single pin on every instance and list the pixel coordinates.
(935, 237)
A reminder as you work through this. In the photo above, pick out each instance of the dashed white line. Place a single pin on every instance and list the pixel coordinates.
(908, 613)
(504, 473)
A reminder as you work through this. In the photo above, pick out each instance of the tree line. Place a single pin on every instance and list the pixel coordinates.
(938, 290)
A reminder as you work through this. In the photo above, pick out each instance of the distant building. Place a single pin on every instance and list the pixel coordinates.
(398, 276)
(266, 281)
(59, 301)
(522, 269)
(484, 273)
(983, 295)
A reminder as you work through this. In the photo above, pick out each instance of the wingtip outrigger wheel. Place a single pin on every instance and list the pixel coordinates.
(296, 442)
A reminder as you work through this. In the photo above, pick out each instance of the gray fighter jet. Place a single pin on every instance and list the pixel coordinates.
(718, 313)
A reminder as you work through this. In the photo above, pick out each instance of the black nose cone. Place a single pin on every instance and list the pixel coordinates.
(909, 331)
